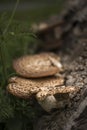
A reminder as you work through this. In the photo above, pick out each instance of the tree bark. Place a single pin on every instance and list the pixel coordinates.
(74, 115)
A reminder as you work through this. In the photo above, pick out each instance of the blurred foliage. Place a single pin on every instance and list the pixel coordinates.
(17, 42)
(15, 113)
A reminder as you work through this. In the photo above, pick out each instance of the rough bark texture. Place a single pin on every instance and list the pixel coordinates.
(74, 115)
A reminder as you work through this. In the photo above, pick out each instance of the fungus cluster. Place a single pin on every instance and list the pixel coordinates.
(37, 76)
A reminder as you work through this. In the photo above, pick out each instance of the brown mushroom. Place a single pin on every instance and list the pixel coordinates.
(56, 90)
(40, 65)
(25, 88)
(43, 89)
(48, 100)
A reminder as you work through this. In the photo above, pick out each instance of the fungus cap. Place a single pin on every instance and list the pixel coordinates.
(57, 90)
(49, 101)
(44, 89)
(25, 88)
(40, 65)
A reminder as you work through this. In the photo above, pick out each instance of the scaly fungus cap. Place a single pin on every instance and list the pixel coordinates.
(27, 87)
(44, 89)
(39, 65)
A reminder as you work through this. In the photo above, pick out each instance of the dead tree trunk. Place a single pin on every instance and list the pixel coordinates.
(74, 115)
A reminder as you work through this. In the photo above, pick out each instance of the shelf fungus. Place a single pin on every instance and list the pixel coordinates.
(44, 89)
(56, 97)
(25, 88)
(39, 65)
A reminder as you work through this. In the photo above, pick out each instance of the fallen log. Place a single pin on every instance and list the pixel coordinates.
(74, 115)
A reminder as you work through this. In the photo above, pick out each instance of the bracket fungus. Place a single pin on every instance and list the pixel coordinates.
(43, 89)
(39, 65)
(48, 100)
(27, 87)
(39, 79)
